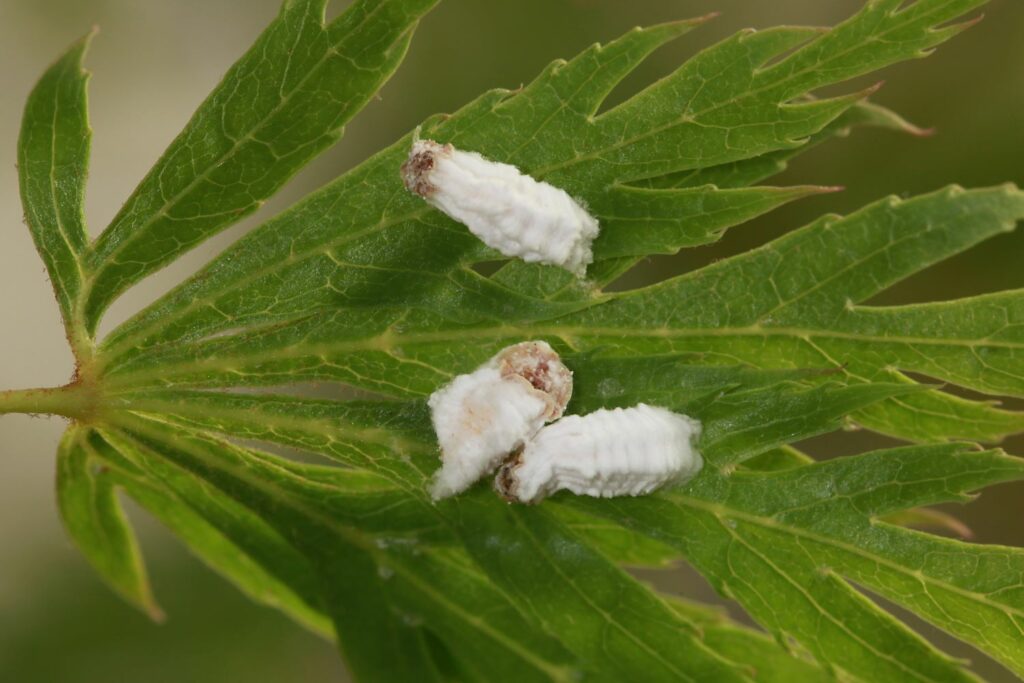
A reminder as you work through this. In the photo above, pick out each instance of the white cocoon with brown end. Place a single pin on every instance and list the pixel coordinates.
(508, 210)
(482, 417)
(620, 452)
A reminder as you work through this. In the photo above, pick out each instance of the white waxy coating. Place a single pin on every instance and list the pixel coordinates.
(508, 210)
(620, 452)
(483, 416)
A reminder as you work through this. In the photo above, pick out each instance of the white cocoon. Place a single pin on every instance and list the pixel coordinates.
(508, 210)
(620, 452)
(481, 417)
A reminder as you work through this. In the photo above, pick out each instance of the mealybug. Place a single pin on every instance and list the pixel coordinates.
(483, 416)
(620, 452)
(508, 210)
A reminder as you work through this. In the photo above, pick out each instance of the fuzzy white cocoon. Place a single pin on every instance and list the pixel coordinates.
(619, 452)
(483, 416)
(508, 210)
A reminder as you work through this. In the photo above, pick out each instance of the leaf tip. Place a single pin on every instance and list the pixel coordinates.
(800, 191)
(960, 529)
(75, 54)
(154, 612)
(871, 89)
(683, 25)
(953, 29)
(670, 30)
(82, 44)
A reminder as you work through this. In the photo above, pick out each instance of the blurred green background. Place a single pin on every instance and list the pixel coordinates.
(154, 61)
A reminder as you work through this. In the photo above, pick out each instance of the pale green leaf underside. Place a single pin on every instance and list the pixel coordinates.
(362, 284)
(53, 157)
(93, 517)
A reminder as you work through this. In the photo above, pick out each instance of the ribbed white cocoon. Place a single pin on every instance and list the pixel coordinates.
(508, 210)
(620, 452)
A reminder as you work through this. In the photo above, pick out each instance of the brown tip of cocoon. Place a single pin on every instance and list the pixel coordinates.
(538, 364)
(422, 159)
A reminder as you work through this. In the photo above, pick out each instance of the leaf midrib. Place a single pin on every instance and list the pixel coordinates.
(572, 336)
(58, 217)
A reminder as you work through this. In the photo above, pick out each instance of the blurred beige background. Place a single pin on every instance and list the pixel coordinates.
(154, 61)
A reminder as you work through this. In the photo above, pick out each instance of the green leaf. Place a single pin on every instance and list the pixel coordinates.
(92, 515)
(347, 574)
(282, 103)
(755, 169)
(53, 158)
(794, 303)
(568, 589)
(358, 434)
(491, 636)
(388, 248)
(744, 411)
(615, 541)
(364, 570)
(748, 308)
(314, 499)
(782, 543)
(228, 537)
(553, 282)
(299, 422)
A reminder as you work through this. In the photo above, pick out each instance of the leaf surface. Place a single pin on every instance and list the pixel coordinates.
(53, 157)
(781, 543)
(271, 409)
